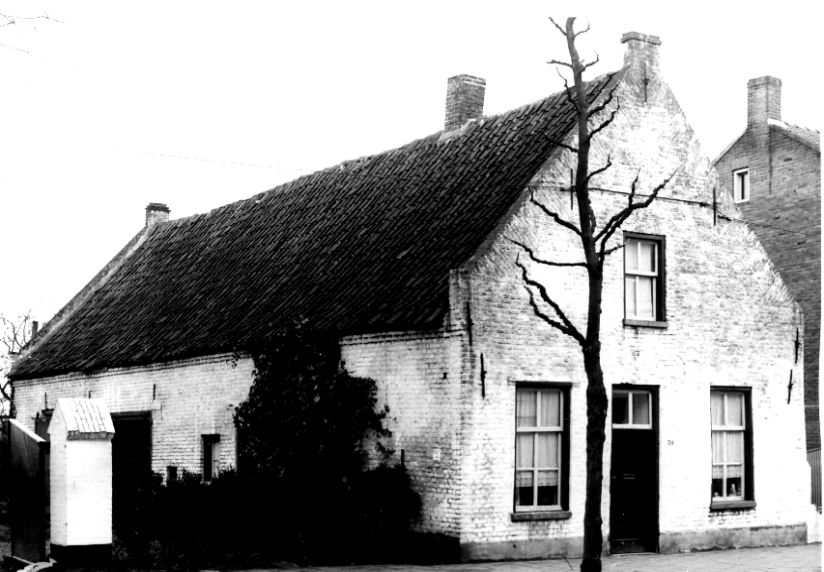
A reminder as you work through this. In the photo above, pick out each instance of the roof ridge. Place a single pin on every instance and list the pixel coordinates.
(779, 122)
(436, 136)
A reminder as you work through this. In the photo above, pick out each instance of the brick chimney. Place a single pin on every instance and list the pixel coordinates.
(641, 61)
(763, 100)
(464, 100)
(156, 212)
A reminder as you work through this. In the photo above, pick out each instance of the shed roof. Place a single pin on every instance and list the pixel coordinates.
(84, 418)
(363, 246)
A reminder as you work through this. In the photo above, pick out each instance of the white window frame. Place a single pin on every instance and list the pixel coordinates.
(741, 195)
(727, 429)
(636, 242)
(537, 429)
(632, 394)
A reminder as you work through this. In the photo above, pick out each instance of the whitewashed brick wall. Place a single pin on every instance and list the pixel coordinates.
(730, 319)
(419, 379)
(186, 398)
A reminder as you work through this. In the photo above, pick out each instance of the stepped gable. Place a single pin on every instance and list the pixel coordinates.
(360, 247)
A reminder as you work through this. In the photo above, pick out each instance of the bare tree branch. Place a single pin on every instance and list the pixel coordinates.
(554, 216)
(560, 29)
(558, 63)
(545, 262)
(618, 219)
(588, 65)
(604, 104)
(581, 32)
(565, 326)
(599, 171)
(560, 143)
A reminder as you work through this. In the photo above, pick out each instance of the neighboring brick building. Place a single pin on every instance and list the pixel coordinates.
(773, 171)
(407, 255)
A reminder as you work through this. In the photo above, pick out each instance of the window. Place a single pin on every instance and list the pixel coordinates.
(741, 185)
(541, 449)
(644, 280)
(632, 409)
(731, 447)
(211, 457)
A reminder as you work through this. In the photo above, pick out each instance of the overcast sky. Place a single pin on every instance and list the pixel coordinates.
(200, 104)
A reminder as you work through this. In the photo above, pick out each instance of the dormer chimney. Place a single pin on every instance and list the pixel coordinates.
(464, 100)
(763, 100)
(641, 61)
(156, 213)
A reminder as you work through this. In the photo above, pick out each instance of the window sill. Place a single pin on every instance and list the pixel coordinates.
(732, 505)
(645, 323)
(541, 515)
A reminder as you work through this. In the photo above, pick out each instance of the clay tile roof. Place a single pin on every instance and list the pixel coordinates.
(363, 246)
(808, 137)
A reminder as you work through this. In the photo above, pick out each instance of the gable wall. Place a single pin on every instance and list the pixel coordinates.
(785, 178)
(731, 321)
(186, 399)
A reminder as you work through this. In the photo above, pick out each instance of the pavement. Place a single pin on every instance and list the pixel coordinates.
(805, 557)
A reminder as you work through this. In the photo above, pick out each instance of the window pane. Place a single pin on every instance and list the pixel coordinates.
(645, 296)
(717, 447)
(620, 408)
(640, 409)
(524, 488)
(630, 296)
(735, 447)
(717, 409)
(733, 486)
(735, 409)
(547, 488)
(717, 485)
(548, 447)
(524, 451)
(631, 255)
(550, 408)
(526, 411)
(646, 262)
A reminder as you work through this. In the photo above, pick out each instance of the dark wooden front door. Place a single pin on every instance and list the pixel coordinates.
(634, 475)
(131, 471)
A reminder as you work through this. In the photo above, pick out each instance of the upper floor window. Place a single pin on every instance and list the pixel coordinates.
(741, 185)
(644, 280)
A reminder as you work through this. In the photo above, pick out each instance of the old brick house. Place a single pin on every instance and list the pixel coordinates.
(773, 172)
(406, 255)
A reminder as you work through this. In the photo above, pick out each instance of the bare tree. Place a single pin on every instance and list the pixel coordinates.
(593, 240)
(14, 335)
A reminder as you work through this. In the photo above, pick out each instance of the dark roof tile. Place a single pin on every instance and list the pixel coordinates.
(363, 246)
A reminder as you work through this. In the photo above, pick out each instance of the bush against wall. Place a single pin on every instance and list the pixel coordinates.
(307, 434)
(315, 485)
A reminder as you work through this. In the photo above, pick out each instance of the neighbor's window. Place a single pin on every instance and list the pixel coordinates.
(731, 447)
(211, 457)
(644, 279)
(741, 185)
(540, 444)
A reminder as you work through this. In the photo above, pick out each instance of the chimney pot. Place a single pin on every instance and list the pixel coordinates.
(35, 326)
(763, 100)
(464, 100)
(156, 213)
